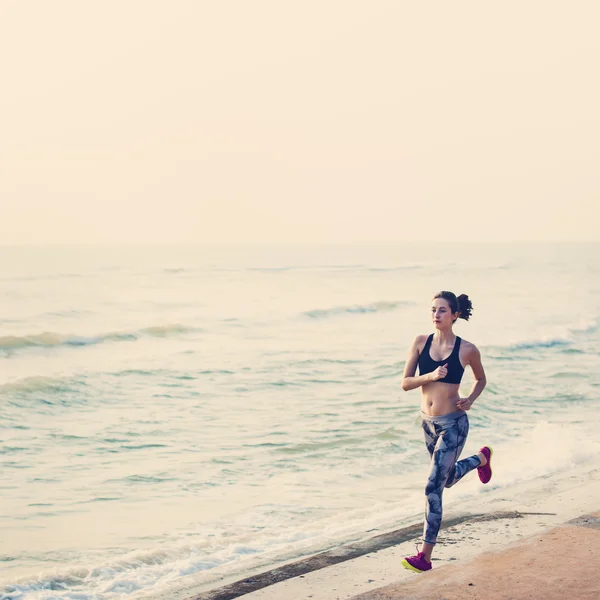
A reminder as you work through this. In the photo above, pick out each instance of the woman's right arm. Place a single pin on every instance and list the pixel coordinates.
(409, 380)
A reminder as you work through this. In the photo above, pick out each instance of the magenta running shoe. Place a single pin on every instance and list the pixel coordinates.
(485, 472)
(417, 563)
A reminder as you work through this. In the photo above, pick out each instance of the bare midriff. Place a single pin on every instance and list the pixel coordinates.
(439, 398)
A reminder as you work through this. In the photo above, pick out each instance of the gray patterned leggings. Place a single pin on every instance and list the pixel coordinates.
(445, 438)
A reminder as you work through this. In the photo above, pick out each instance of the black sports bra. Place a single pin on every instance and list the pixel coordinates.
(455, 369)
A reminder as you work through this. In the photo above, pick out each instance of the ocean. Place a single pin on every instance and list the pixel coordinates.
(178, 415)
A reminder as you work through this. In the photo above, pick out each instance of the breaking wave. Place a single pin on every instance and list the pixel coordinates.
(569, 336)
(35, 383)
(355, 309)
(49, 339)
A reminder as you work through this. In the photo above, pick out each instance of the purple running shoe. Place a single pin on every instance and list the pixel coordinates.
(485, 472)
(417, 563)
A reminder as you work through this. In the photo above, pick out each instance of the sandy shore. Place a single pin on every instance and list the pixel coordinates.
(560, 563)
(491, 534)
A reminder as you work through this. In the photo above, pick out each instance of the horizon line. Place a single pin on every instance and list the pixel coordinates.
(297, 243)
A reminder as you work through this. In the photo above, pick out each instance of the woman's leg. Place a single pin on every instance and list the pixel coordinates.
(431, 438)
(445, 439)
(444, 470)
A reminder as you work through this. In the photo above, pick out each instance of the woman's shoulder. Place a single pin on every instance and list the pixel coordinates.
(467, 347)
(422, 337)
(420, 341)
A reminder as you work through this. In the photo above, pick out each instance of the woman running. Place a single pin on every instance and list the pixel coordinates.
(442, 358)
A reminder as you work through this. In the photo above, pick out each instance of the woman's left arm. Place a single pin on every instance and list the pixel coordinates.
(480, 380)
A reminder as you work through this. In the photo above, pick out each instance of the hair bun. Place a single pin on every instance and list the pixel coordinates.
(465, 307)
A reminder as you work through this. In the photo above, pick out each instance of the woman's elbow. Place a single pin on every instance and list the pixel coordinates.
(405, 385)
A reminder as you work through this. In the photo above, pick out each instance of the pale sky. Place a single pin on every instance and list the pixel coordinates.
(314, 121)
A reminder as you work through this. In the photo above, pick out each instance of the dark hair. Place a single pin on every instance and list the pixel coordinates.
(461, 305)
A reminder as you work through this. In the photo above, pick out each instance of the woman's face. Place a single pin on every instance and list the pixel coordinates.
(441, 313)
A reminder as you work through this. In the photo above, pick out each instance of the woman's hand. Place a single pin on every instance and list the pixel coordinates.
(464, 403)
(439, 373)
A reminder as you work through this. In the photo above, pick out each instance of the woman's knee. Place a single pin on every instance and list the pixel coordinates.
(433, 489)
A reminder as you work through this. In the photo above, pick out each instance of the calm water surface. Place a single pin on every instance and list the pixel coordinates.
(179, 413)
